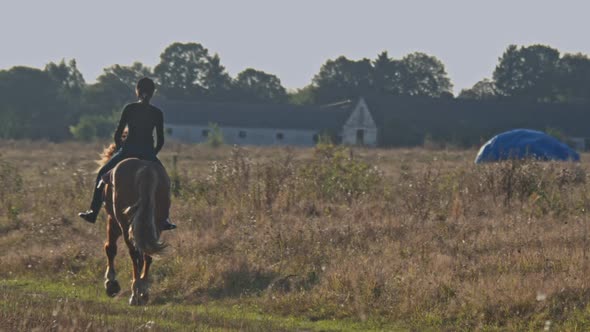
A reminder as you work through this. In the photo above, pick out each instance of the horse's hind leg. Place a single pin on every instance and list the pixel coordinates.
(146, 266)
(143, 286)
(113, 233)
(138, 262)
(140, 286)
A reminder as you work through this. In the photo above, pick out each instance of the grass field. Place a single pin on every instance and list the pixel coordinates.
(324, 239)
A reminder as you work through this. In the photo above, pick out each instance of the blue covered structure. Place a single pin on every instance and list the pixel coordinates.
(525, 143)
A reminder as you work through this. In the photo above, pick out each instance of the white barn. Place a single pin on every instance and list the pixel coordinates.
(346, 122)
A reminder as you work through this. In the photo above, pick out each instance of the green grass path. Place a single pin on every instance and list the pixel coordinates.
(27, 303)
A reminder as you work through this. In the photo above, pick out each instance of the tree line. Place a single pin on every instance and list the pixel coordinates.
(57, 103)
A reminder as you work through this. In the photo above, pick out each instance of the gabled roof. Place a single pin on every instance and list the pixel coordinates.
(241, 115)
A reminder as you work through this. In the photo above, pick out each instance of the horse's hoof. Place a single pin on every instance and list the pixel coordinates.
(112, 287)
(133, 300)
(143, 299)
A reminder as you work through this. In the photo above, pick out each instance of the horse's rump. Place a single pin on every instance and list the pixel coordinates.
(141, 199)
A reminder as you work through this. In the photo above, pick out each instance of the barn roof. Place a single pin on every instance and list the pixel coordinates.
(409, 119)
(241, 115)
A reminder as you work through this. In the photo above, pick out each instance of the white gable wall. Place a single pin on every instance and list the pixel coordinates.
(360, 128)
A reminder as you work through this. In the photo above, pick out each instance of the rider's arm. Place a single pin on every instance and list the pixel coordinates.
(159, 132)
(120, 128)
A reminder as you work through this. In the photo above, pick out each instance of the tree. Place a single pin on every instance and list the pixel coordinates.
(127, 75)
(182, 70)
(482, 90)
(527, 72)
(342, 79)
(71, 86)
(105, 96)
(113, 89)
(67, 76)
(420, 74)
(573, 82)
(32, 104)
(417, 74)
(216, 80)
(11, 123)
(387, 75)
(257, 86)
(303, 96)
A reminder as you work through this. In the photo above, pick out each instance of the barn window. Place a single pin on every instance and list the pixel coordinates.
(316, 138)
(280, 136)
(242, 134)
(205, 133)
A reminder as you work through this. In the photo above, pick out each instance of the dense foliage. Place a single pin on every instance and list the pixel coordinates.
(56, 102)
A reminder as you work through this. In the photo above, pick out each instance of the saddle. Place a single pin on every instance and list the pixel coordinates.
(106, 179)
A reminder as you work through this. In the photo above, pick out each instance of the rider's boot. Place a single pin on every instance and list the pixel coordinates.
(97, 199)
(89, 215)
(167, 225)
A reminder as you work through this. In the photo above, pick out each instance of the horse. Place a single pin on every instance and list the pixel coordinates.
(136, 196)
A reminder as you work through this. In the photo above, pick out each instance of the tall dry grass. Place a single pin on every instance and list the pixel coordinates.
(422, 237)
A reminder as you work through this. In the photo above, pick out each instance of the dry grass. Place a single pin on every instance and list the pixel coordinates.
(420, 238)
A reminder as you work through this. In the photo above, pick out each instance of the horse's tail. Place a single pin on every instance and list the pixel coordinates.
(143, 229)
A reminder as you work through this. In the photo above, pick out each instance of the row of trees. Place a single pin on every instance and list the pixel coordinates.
(416, 74)
(56, 102)
(536, 73)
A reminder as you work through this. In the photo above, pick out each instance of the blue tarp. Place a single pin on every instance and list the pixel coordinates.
(525, 143)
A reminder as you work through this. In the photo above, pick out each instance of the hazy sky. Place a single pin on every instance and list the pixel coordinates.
(290, 39)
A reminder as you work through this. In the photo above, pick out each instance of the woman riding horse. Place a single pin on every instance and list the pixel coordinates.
(140, 118)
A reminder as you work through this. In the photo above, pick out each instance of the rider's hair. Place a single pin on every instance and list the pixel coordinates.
(145, 88)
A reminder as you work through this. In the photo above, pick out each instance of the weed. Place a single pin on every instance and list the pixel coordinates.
(422, 239)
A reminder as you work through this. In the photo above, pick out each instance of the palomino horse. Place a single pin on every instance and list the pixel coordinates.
(137, 198)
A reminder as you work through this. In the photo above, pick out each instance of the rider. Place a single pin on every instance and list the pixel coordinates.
(140, 118)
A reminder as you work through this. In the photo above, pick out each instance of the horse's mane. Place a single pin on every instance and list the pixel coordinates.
(110, 150)
(106, 154)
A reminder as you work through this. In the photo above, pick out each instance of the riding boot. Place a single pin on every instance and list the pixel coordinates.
(167, 225)
(97, 199)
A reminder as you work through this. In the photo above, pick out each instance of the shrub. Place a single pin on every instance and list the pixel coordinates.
(11, 125)
(334, 175)
(11, 190)
(91, 127)
(215, 136)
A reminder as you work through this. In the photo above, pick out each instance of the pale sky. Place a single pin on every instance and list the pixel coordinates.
(290, 39)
